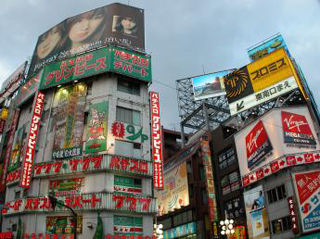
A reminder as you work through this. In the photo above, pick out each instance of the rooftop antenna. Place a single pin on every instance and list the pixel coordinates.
(203, 69)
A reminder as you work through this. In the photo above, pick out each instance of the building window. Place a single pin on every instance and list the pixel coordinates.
(167, 223)
(89, 88)
(17, 194)
(128, 86)
(127, 184)
(128, 149)
(204, 196)
(280, 225)
(182, 218)
(201, 172)
(277, 194)
(128, 116)
(230, 182)
(123, 224)
(226, 158)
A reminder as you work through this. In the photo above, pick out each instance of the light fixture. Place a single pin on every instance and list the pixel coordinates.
(59, 86)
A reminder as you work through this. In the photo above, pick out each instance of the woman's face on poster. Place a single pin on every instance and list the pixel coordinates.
(128, 24)
(48, 42)
(84, 27)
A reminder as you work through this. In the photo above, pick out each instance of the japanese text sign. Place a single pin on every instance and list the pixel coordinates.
(27, 165)
(293, 215)
(156, 140)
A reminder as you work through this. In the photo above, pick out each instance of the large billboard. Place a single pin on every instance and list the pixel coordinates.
(175, 193)
(307, 187)
(264, 48)
(115, 59)
(112, 24)
(260, 81)
(268, 143)
(257, 219)
(210, 85)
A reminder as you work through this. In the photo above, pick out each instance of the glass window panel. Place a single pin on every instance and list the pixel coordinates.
(136, 118)
(124, 148)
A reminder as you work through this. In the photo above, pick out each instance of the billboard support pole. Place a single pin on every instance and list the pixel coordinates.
(182, 135)
(206, 117)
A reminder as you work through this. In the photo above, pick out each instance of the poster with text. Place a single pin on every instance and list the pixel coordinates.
(97, 128)
(307, 186)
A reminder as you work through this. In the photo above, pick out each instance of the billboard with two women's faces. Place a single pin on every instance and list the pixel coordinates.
(112, 24)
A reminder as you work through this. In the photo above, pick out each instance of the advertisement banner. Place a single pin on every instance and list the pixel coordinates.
(10, 135)
(116, 24)
(175, 193)
(180, 231)
(210, 85)
(283, 154)
(27, 90)
(17, 149)
(206, 159)
(27, 166)
(62, 225)
(63, 187)
(296, 130)
(266, 47)
(307, 187)
(257, 220)
(68, 120)
(156, 135)
(97, 128)
(258, 145)
(260, 81)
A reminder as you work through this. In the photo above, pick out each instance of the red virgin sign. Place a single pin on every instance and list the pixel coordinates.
(31, 141)
(257, 145)
(296, 130)
(156, 140)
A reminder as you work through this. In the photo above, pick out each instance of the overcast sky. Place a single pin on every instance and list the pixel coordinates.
(183, 36)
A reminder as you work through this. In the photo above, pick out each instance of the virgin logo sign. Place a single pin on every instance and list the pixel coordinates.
(294, 124)
(253, 137)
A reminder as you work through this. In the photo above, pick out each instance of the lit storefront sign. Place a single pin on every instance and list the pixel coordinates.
(156, 140)
(27, 166)
(94, 163)
(84, 202)
(183, 230)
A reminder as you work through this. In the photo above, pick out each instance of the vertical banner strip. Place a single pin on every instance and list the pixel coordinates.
(156, 140)
(27, 165)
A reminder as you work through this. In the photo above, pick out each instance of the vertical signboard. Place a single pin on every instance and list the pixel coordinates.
(11, 133)
(307, 187)
(27, 165)
(97, 128)
(156, 140)
(206, 158)
(257, 220)
(293, 215)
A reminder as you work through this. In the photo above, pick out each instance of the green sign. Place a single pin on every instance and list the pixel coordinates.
(131, 64)
(74, 68)
(97, 128)
(114, 59)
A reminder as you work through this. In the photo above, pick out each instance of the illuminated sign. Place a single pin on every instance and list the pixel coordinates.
(156, 140)
(28, 89)
(31, 141)
(266, 47)
(307, 187)
(87, 202)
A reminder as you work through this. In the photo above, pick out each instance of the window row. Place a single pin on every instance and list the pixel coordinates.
(230, 182)
(226, 158)
(277, 194)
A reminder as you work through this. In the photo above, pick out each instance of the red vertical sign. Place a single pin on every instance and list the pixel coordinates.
(9, 147)
(156, 140)
(31, 141)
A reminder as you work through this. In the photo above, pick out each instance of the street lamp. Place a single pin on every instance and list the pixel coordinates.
(227, 227)
(54, 201)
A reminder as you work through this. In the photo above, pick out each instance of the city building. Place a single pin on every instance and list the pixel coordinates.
(77, 148)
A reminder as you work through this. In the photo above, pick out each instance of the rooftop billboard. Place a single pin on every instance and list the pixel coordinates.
(260, 81)
(210, 85)
(112, 24)
(264, 48)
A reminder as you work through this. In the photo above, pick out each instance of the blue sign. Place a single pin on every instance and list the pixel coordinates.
(266, 47)
(183, 230)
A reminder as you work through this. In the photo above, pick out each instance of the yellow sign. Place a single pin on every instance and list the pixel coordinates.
(270, 70)
(4, 113)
